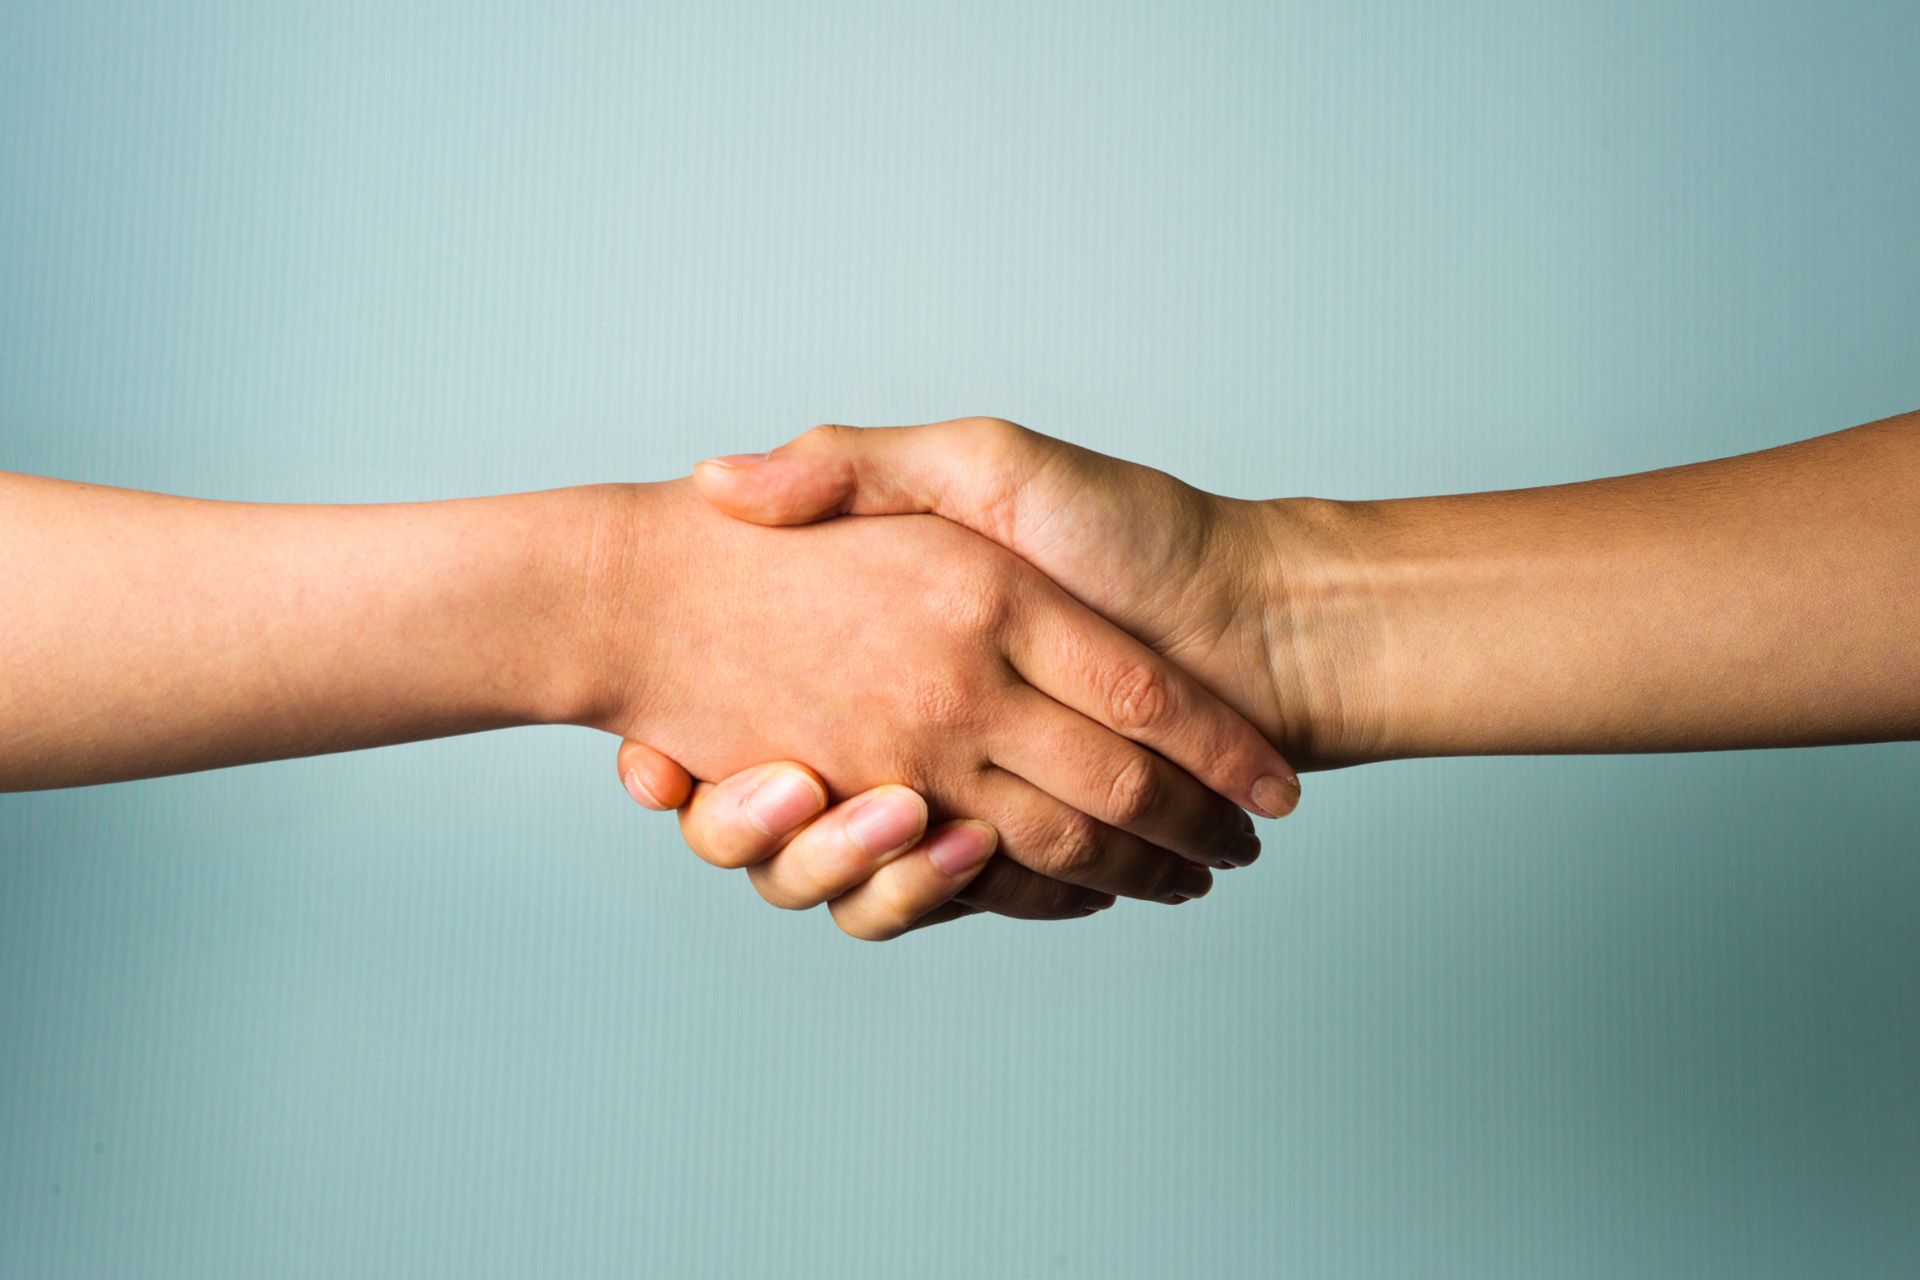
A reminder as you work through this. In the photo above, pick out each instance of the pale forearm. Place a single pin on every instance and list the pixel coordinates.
(1765, 600)
(148, 634)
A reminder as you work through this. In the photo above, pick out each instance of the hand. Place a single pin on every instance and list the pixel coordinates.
(865, 858)
(1765, 600)
(1189, 573)
(913, 652)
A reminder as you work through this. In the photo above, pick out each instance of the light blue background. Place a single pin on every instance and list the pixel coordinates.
(461, 1009)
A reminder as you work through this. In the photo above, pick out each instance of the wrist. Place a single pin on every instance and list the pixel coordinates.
(599, 568)
(1323, 627)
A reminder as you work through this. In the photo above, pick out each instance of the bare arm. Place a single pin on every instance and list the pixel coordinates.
(1765, 600)
(148, 634)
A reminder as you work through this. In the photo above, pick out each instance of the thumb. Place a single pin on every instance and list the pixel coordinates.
(971, 471)
(775, 488)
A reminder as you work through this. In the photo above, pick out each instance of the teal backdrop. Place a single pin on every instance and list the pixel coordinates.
(462, 1009)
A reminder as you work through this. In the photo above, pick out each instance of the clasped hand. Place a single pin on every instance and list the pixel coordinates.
(947, 692)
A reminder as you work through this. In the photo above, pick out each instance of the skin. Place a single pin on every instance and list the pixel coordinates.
(151, 635)
(1767, 600)
(878, 876)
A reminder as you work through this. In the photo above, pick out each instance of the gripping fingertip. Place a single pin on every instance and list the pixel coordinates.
(637, 788)
(653, 780)
(962, 848)
(783, 801)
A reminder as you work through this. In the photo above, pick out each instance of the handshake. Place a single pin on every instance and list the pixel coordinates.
(1079, 663)
(937, 670)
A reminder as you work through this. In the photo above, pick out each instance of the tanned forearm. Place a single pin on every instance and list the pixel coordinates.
(1765, 600)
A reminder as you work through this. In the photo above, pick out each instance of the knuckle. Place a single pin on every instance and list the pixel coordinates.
(974, 598)
(828, 436)
(996, 435)
(999, 457)
(1135, 792)
(1073, 847)
(1141, 697)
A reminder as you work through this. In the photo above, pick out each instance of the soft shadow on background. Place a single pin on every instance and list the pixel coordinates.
(461, 1008)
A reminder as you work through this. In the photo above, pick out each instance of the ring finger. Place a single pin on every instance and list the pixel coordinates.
(1061, 842)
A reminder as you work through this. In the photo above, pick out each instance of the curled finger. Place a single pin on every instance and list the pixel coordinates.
(842, 848)
(752, 815)
(908, 890)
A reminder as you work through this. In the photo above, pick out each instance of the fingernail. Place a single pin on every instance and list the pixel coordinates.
(962, 847)
(1098, 902)
(734, 461)
(887, 823)
(1241, 850)
(783, 802)
(1277, 797)
(1193, 883)
(638, 789)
